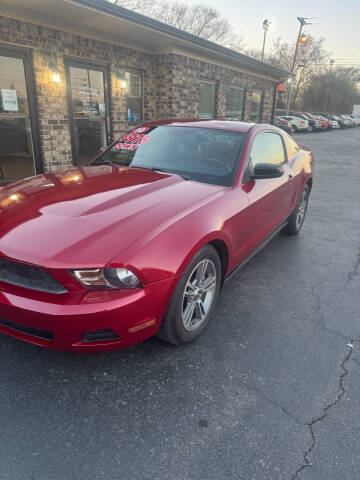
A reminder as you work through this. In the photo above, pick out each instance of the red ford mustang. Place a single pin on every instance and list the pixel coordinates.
(139, 241)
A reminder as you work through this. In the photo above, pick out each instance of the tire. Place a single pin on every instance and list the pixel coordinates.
(297, 218)
(190, 308)
(294, 129)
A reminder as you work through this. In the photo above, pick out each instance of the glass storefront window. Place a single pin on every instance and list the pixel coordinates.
(255, 102)
(16, 147)
(234, 102)
(207, 99)
(133, 97)
(88, 112)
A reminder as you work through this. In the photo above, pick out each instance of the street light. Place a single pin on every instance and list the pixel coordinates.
(302, 39)
(266, 24)
(331, 63)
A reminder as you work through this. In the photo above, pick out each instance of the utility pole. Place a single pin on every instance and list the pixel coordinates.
(332, 62)
(265, 26)
(300, 39)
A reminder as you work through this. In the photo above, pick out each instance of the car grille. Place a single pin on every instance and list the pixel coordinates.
(28, 276)
(35, 332)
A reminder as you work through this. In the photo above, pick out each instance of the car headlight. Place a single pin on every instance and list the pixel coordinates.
(107, 278)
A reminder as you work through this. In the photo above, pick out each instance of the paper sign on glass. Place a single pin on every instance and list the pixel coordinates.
(9, 100)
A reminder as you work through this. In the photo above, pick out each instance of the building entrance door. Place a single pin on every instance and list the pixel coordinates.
(18, 155)
(89, 109)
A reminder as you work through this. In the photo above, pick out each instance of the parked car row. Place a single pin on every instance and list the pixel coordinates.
(312, 122)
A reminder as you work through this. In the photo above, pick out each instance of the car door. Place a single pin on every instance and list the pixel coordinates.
(270, 200)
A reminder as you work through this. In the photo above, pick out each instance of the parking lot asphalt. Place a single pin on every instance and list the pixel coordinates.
(270, 390)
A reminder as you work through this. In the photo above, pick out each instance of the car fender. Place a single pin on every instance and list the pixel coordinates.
(302, 165)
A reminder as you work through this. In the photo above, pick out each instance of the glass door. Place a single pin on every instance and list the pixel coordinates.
(89, 110)
(17, 159)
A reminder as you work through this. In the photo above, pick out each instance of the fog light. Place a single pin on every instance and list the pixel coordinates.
(99, 335)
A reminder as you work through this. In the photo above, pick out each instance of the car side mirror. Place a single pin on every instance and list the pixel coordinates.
(267, 170)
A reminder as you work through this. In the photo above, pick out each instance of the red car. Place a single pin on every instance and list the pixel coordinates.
(139, 241)
(324, 124)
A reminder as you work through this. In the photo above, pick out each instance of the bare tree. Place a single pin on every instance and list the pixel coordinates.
(338, 87)
(140, 6)
(200, 20)
(255, 53)
(311, 60)
(234, 42)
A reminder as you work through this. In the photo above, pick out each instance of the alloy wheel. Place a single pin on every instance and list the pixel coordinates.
(301, 209)
(198, 294)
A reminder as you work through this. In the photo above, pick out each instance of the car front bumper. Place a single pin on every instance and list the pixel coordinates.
(63, 323)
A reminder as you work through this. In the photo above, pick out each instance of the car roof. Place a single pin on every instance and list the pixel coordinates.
(219, 124)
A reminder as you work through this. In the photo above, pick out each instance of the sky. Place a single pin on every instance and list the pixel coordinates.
(338, 22)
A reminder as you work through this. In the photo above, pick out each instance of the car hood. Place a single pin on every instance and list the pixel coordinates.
(83, 217)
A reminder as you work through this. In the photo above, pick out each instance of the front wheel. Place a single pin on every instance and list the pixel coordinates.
(297, 218)
(193, 300)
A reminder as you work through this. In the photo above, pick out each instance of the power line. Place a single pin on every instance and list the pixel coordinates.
(334, 15)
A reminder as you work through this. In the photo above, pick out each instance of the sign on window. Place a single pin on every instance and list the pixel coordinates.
(9, 100)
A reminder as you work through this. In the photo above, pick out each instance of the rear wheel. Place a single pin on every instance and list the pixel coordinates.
(297, 218)
(193, 300)
(293, 129)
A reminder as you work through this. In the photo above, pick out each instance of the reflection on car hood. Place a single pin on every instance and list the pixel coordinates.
(83, 217)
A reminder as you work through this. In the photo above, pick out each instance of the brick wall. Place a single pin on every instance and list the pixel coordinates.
(171, 83)
(186, 74)
(49, 46)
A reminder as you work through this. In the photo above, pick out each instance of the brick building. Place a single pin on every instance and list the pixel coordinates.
(75, 74)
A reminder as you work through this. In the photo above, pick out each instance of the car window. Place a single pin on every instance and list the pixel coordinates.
(200, 154)
(267, 148)
(292, 147)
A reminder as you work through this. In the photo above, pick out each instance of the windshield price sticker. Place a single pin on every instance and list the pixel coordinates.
(131, 140)
(124, 146)
(140, 129)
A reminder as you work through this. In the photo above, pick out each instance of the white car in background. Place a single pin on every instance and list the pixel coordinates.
(355, 118)
(297, 124)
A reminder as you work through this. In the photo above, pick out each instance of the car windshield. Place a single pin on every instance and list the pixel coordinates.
(195, 153)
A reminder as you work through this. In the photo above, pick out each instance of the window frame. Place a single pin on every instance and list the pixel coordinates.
(235, 87)
(214, 84)
(248, 169)
(140, 73)
(261, 92)
(104, 67)
(287, 138)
